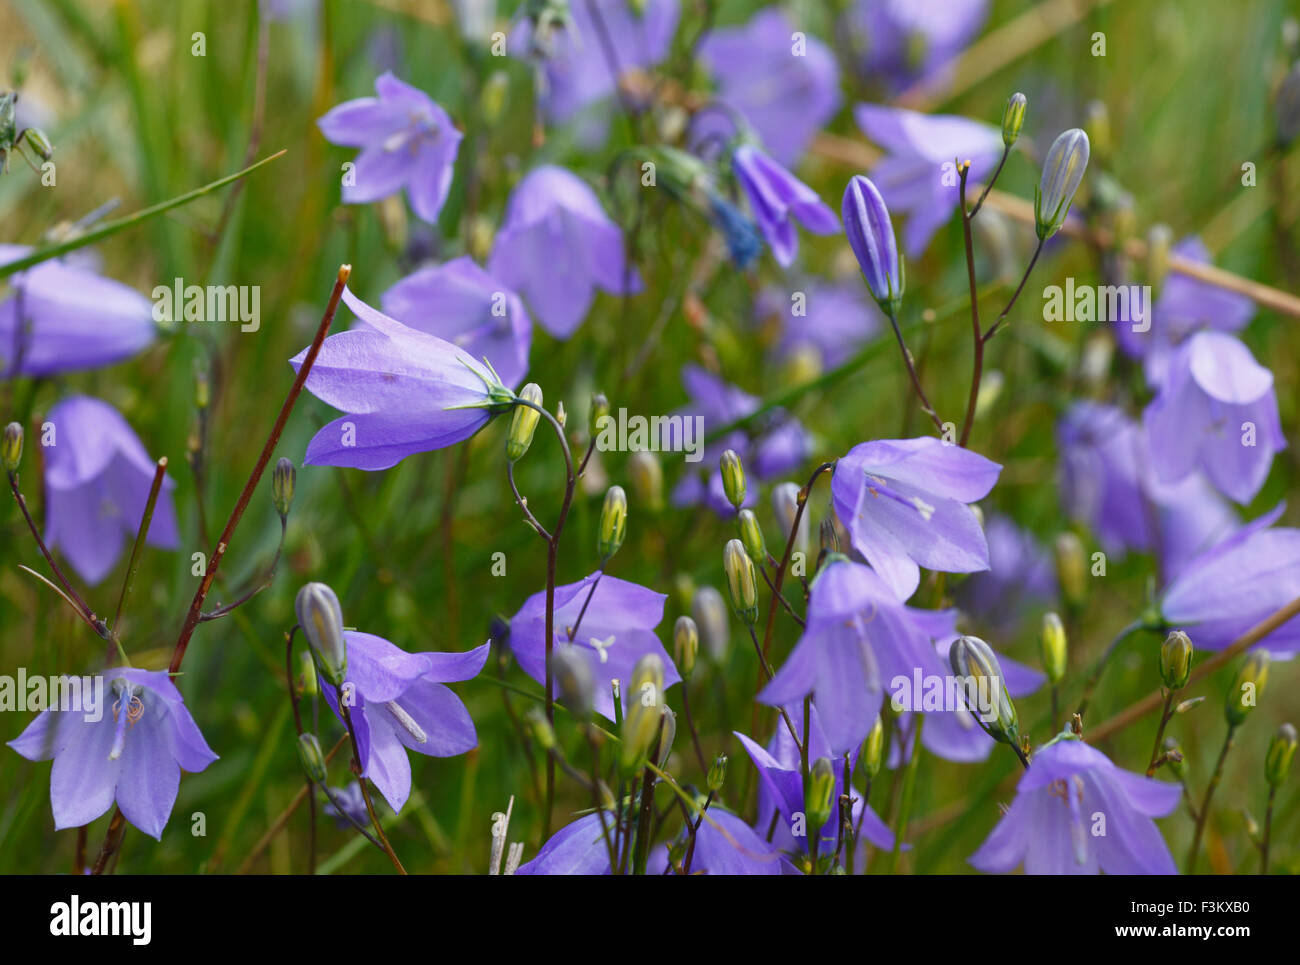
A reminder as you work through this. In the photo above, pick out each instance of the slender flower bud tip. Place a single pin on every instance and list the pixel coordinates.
(283, 480)
(540, 729)
(717, 775)
(873, 748)
(1013, 118)
(742, 587)
(647, 480)
(11, 448)
(523, 422)
(1176, 660)
(686, 645)
(1071, 568)
(973, 659)
(751, 534)
(613, 522)
(599, 412)
(871, 236)
(313, 759)
(819, 793)
(1052, 644)
(1281, 750)
(1247, 687)
(1063, 169)
(575, 682)
(321, 618)
(733, 477)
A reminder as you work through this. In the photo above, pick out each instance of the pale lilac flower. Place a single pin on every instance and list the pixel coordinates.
(778, 199)
(557, 246)
(911, 41)
(905, 505)
(578, 848)
(1075, 812)
(1019, 577)
(463, 304)
(404, 392)
(97, 481)
(724, 845)
(398, 703)
(406, 140)
(133, 754)
(834, 319)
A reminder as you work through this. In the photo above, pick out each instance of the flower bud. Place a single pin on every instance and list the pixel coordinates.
(599, 413)
(11, 448)
(540, 729)
(973, 659)
(873, 748)
(871, 236)
(39, 142)
(1052, 647)
(1071, 567)
(1063, 169)
(742, 587)
(710, 613)
(561, 416)
(523, 422)
(313, 759)
(1281, 749)
(818, 793)
(1176, 660)
(647, 480)
(1246, 687)
(1013, 118)
(574, 681)
(717, 775)
(644, 711)
(686, 645)
(282, 484)
(751, 535)
(667, 732)
(785, 506)
(613, 523)
(308, 683)
(321, 619)
(733, 477)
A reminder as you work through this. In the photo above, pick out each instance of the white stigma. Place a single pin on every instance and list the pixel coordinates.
(922, 507)
(407, 721)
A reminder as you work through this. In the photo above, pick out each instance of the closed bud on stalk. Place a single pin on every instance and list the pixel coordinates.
(308, 684)
(561, 416)
(11, 448)
(1052, 646)
(540, 729)
(1246, 687)
(1176, 660)
(1160, 239)
(873, 748)
(1063, 169)
(819, 793)
(1281, 749)
(647, 480)
(667, 732)
(717, 775)
(870, 233)
(742, 586)
(973, 659)
(574, 680)
(686, 645)
(1071, 567)
(599, 413)
(40, 143)
(1013, 118)
(523, 422)
(710, 613)
(751, 535)
(613, 522)
(312, 757)
(733, 477)
(321, 619)
(785, 506)
(644, 712)
(282, 485)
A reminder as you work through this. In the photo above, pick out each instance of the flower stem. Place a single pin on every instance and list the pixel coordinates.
(1268, 830)
(141, 534)
(909, 787)
(911, 371)
(1165, 715)
(361, 781)
(1210, 788)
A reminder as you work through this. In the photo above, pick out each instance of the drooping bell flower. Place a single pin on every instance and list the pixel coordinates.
(406, 140)
(870, 233)
(905, 43)
(1216, 412)
(912, 176)
(556, 246)
(1063, 170)
(616, 631)
(1075, 812)
(905, 505)
(778, 199)
(463, 304)
(786, 87)
(60, 316)
(132, 752)
(97, 481)
(398, 703)
(404, 391)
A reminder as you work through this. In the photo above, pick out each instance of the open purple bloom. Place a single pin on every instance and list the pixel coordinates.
(778, 199)
(1075, 812)
(406, 140)
(353, 803)
(132, 752)
(557, 246)
(786, 91)
(97, 481)
(911, 41)
(63, 317)
(834, 319)
(858, 638)
(404, 391)
(1220, 594)
(463, 304)
(578, 848)
(724, 845)
(617, 630)
(904, 503)
(398, 703)
(912, 177)
(1216, 411)
(1019, 577)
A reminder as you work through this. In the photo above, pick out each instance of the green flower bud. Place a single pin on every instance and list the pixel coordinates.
(710, 613)
(1246, 687)
(644, 712)
(686, 645)
(1063, 169)
(1013, 118)
(282, 484)
(308, 684)
(819, 793)
(742, 587)
(39, 142)
(561, 416)
(1071, 568)
(1052, 647)
(717, 775)
(751, 535)
(1176, 660)
(873, 748)
(493, 99)
(8, 117)
(1281, 749)
(683, 590)
(313, 759)
(523, 422)
(733, 477)
(613, 522)
(574, 681)
(667, 732)
(321, 620)
(11, 448)
(539, 728)
(973, 659)
(647, 480)
(599, 413)
(785, 506)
